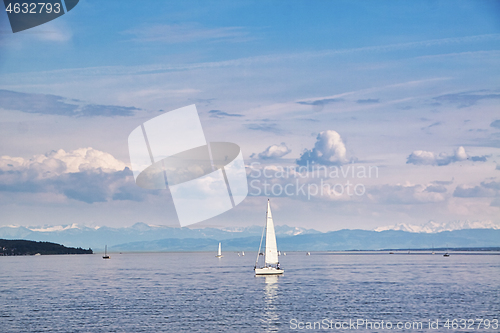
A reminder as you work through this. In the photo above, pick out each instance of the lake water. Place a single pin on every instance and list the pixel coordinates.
(196, 292)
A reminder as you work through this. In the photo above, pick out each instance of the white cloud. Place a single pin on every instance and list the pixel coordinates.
(329, 149)
(84, 174)
(422, 157)
(59, 162)
(274, 151)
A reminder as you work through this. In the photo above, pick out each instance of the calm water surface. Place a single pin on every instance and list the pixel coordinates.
(196, 292)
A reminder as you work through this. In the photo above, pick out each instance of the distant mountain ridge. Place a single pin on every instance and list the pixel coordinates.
(96, 238)
(341, 240)
(143, 237)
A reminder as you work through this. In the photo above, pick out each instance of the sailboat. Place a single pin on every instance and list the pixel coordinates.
(219, 253)
(105, 256)
(446, 253)
(243, 253)
(271, 263)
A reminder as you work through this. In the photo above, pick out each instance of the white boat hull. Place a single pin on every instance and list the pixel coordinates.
(268, 271)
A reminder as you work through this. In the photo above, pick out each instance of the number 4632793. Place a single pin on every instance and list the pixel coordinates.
(34, 8)
(471, 324)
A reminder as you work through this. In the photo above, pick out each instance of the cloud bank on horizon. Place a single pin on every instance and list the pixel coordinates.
(86, 174)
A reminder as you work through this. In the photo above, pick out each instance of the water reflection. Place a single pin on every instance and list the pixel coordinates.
(271, 317)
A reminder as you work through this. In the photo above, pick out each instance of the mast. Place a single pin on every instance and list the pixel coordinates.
(260, 245)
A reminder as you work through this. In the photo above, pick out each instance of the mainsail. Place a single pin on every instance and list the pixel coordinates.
(271, 247)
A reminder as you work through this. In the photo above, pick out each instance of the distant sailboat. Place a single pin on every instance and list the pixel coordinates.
(271, 263)
(446, 253)
(308, 253)
(219, 253)
(243, 253)
(105, 256)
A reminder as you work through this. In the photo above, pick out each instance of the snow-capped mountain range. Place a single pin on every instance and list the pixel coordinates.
(144, 237)
(433, 227)
(96, 237)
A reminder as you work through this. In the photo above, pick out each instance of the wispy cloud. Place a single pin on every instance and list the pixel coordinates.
(321, 101)
(368, 101)
(319, 104)
(56, 31)
(265, 127)
(58, 105)
(222, 114)
(187, 32)
(466, 99)
(158, 68)
(437, 123)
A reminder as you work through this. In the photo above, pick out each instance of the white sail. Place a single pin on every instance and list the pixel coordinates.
(271, 247)
(219, 253)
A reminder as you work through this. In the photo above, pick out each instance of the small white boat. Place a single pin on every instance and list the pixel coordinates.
(308, 253)
(271, 263)
(219, 253)
(243, 253)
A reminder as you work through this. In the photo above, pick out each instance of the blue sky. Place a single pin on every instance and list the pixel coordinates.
(403, 85)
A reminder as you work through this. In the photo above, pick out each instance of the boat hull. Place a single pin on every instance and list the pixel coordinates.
(268, 271)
